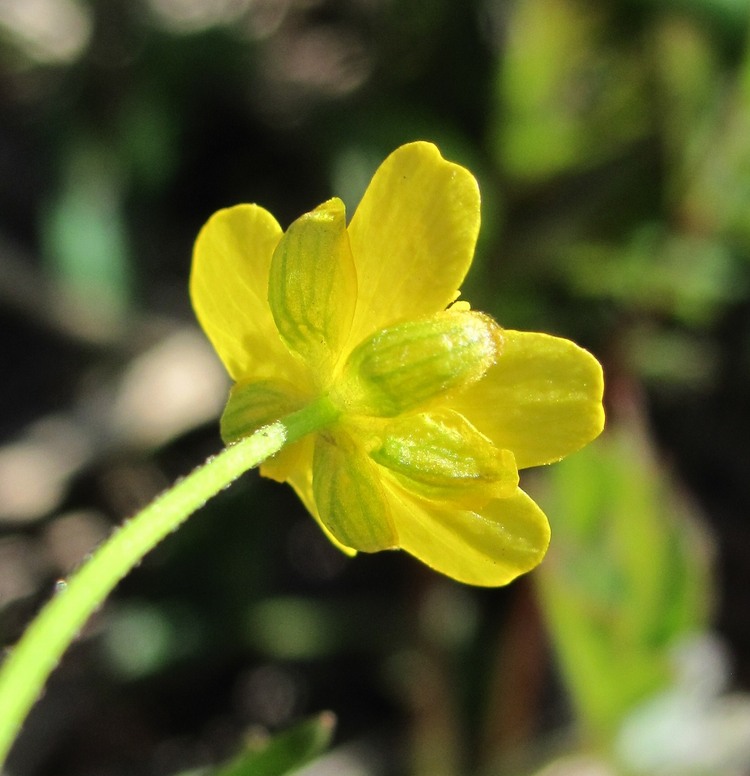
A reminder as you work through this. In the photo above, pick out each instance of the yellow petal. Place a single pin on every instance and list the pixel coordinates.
(412, 237)
(292, 460)
(293, 464)
(349, 495)
(542, 400)
(229, 289)
(312, 286)
(491, 548)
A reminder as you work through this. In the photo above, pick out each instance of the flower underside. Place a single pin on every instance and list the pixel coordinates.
(423, 410)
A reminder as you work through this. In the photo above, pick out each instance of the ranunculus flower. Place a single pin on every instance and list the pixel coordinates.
(420, 410)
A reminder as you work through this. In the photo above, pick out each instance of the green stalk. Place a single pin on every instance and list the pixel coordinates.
(36, 655)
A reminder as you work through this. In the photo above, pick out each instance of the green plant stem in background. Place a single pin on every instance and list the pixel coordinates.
(36, 655)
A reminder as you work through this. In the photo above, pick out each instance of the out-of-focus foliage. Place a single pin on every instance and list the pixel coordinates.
(284, 753)
(627, 594)
(570, 89)
(611, 140)
(626, 579)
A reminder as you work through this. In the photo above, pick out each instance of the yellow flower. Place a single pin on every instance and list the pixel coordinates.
(421, 411)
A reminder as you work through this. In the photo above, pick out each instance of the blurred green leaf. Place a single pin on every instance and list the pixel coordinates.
(285, 752)
(569, 96)
(687, 277)
(306, 628)
(142, 639)
(726, 14)
(687, 70)
(149, 141)
(294, 628)
(670, 359)
(85, 235)
(715, 168)
(626, 577)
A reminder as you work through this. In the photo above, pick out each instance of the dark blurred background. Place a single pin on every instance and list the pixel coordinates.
(611, 140)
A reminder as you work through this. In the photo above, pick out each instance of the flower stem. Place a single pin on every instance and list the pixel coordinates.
(33, 659)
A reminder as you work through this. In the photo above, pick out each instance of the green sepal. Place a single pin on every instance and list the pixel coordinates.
(402, 367)
(312, 286)
(440, 455)
(349, 496)
(255, 404)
